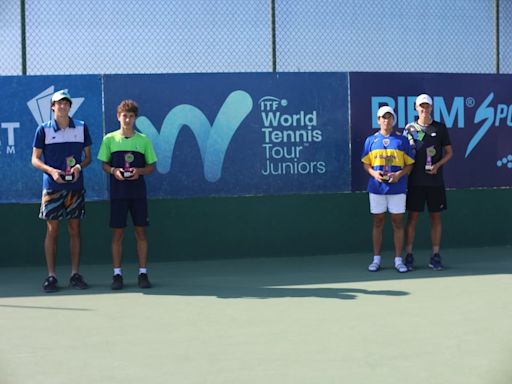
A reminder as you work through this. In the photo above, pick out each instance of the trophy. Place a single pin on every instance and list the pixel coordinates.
(431, 151)
(68, 174)
(388, 162)
(127, 169)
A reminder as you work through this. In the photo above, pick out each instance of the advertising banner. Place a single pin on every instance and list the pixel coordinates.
(240, 134)
(477, 109)
(27, 104)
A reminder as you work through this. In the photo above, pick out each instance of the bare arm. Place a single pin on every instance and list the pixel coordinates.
(39, 164)
(447, 155)
(377, 175)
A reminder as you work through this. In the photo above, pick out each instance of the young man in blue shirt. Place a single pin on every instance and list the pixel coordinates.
(62, 150)
(387, 157)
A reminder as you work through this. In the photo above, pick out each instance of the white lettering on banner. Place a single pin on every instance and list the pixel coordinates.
(288, 139)
(486, 114)
(405, 110)
(9, 126)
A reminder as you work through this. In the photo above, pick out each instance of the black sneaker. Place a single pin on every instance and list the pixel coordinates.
(144, 281)
(409, 261)
(50, 284)
(77, 281)
(117, 282)
(435, 262)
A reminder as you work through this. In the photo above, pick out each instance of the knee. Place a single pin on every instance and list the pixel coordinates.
(378, 221)
(117, 235)
(140, 235)
(398, 223)
(52, 231)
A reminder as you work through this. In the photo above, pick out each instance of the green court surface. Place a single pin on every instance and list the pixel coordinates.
(318, 319)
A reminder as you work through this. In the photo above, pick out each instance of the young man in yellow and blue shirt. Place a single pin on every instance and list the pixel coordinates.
(388, 158)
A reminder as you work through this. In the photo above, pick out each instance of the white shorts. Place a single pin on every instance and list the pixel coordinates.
(385, 203)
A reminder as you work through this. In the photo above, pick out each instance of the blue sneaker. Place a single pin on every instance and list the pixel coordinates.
(409, 261)
(435, 262)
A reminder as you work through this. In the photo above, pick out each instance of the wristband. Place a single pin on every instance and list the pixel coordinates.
(112, 170)
(79, 167)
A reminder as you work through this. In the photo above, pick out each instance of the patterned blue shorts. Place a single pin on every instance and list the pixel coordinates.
(60, 205)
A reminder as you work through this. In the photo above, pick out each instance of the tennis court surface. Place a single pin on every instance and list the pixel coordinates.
(318, 319)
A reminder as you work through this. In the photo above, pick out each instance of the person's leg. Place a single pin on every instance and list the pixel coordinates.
(378, 227)
(117, 246)
(410, 230)
(142, 246)
(435, 231)
(397, 220)
(50, 245)
(74, 244)
(436, 202)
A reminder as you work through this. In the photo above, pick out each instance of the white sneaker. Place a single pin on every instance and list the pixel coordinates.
(374, 267)
(401, 268)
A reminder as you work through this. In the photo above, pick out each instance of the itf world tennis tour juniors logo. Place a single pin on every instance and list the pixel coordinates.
(289, 139)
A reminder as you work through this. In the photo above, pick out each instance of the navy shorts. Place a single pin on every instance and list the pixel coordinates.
(433, 196)
(138, 209)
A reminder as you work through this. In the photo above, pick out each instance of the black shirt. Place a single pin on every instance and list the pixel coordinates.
(432, 138)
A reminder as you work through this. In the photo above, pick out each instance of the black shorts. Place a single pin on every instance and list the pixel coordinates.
(119, 209)
(434, 196)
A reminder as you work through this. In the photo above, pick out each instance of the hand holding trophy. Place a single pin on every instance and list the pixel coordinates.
(431, 152)
(68, 174)
(127, 169)
(388, 162)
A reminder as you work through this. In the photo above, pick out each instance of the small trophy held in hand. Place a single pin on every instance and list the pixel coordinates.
(388, 162)
(68, 174)
(431, 152)
(127, 169)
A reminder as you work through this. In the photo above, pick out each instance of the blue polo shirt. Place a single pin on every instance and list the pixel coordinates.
(57, 145)
(396, 148)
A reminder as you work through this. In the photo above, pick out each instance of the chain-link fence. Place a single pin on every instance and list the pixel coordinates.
(160, 36)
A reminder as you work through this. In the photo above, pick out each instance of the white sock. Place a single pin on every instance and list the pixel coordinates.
(376, 259)
(398, 260)
(143, 270)
(117, 271)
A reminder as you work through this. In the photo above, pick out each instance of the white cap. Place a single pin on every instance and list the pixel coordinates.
(423, 98)
(62, 94)
(386, 109)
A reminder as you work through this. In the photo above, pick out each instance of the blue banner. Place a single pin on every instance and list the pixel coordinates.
(477, 110)
(27, 104)
(240, 134)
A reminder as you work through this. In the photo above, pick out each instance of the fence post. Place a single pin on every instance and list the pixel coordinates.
(273, 33)
(23, 38)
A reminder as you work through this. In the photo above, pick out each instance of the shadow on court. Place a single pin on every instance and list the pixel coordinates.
(262, 278)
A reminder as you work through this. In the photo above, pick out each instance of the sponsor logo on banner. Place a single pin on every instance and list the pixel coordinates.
(288, 138)
(452, 111)
(8, 147)
(41, 105)
(213, 139)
